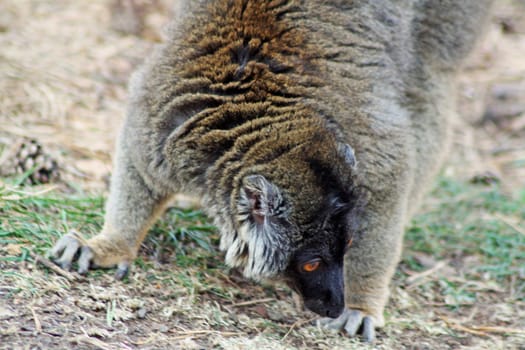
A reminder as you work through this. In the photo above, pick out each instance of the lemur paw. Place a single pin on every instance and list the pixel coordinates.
(71, 247)
(352, 321)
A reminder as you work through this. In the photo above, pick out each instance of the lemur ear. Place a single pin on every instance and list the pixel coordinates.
(264, 247)
(260, 198)
(347, 153)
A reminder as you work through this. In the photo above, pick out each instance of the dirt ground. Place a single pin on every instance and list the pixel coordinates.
(64, 67)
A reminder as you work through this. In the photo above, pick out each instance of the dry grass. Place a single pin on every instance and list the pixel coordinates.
(63, 73)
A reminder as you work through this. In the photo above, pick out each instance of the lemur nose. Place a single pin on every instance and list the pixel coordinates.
(333, 312)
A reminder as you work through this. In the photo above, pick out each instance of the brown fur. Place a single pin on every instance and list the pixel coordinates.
(252, 106)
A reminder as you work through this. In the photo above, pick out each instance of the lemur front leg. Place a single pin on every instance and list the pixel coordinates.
(131, 209)
(369, 267)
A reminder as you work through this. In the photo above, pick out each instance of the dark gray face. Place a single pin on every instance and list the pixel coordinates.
(316, 272)
(307, 250)
(316, 269)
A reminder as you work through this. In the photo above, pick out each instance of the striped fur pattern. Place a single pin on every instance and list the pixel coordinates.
(231, 101)
(303, 125)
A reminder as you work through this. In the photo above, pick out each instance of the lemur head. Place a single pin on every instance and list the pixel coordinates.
(315, 269)
(300, 232)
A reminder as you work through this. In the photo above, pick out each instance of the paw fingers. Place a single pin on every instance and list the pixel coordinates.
(65, 250)
(355, 318)
(73, 247)
(369, 333)
(84, 260)
(58, 248)
(70, 247)
(352, 322)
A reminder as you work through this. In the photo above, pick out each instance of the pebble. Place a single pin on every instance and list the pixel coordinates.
(141, 313)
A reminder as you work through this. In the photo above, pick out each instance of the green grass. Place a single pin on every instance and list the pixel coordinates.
(39, 220)
(461, 219)
(473, 220)
(35, 221)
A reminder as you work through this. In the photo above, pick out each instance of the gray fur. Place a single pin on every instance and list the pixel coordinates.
(309, 104)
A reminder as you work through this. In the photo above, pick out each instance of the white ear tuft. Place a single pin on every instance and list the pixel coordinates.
(262, 217)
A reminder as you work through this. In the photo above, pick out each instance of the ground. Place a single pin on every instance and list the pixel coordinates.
(64, 66)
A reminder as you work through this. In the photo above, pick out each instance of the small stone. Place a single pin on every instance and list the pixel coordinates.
(141, 313)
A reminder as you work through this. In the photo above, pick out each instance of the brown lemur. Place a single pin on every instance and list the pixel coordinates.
(308, 128)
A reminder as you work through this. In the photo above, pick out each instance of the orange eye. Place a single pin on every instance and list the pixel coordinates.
(311, 266)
